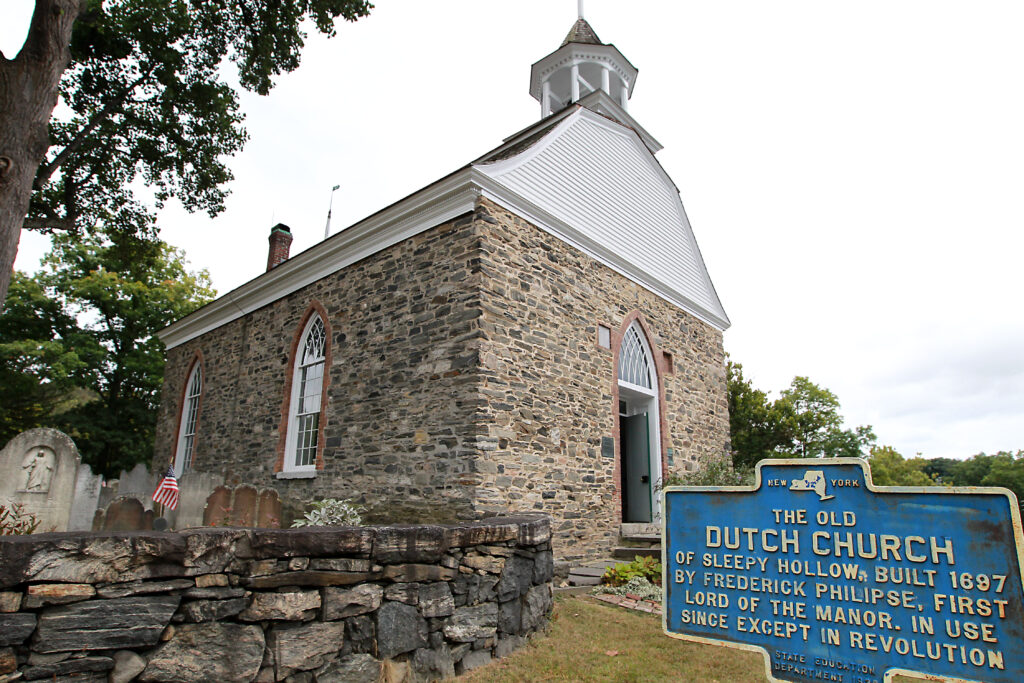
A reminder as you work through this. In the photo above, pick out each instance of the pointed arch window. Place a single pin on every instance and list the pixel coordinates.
(307, 398)
(189, 420)
(634, 361)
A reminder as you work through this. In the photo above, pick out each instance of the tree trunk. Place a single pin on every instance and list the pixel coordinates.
(28, 93)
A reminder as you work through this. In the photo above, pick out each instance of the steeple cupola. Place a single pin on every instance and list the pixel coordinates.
(582, 65)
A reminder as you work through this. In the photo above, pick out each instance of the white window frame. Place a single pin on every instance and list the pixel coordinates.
(637, 365)
(290, 466)
(189, 420)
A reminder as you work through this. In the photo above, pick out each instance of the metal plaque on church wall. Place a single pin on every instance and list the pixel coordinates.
(833, 579)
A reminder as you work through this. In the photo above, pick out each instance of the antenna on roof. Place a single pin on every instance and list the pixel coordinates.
(327, 228)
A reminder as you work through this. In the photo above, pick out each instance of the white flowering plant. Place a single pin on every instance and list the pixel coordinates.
(332, 512)
(638, 586)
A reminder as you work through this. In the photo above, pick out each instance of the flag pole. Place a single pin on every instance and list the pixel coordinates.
(327, 228)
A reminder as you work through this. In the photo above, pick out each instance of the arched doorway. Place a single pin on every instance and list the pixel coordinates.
(639, 428)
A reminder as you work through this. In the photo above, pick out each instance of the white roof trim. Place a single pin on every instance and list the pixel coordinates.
(435, 204)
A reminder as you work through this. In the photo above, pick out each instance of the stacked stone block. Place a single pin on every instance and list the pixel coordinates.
(311, 605)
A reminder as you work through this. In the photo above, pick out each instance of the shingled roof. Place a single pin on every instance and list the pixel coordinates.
(581, 33)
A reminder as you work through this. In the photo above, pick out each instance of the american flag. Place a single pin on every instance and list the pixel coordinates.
(167, 492)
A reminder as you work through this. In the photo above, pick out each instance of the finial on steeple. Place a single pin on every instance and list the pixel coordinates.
(580, 13)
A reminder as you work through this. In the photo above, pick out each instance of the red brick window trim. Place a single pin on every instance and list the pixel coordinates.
(620, 338)
(188, 417)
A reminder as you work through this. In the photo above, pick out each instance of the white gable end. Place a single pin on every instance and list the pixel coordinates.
(595, 184)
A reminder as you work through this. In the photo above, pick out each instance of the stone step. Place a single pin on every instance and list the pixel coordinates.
(627, 554)
(578, 580)
(591, 573)
(587, 571)
(640, 529)
(639, 541)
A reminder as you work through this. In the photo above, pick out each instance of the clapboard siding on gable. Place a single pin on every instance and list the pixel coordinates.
(598, 177)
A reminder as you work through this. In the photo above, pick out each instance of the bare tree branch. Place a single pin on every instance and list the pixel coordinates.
(48, 224)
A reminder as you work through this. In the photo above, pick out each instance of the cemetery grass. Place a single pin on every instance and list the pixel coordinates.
(594, 641)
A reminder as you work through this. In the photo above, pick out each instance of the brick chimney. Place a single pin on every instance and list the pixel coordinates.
(280, 243)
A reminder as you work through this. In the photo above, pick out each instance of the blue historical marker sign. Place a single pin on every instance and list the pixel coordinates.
(836, 580)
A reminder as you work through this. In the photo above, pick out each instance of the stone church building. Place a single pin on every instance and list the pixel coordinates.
(536, 331)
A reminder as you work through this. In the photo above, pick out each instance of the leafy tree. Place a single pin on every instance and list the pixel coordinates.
(1007, 470)
(109, 294)
(804, 422)
(817, 425)
(37, 365)
(147, 98)
(973, 471)
(1001, 469)
(758, 427)
(889, 468)
(942, 470)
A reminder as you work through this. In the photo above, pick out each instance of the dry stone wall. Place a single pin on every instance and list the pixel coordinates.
(318, 605)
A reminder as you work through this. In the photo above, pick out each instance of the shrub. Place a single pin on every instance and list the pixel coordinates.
(646, 568)
(712, 471)
(14, 521)
(331, 512)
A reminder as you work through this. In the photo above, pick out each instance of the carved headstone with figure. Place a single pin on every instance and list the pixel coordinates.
(38, 470)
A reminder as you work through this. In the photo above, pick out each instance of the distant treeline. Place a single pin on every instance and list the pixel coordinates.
(1006, 469)
(805, 422)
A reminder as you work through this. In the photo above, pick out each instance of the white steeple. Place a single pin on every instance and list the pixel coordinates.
(582, 65)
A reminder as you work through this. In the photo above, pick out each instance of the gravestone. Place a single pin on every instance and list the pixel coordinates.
(138, 483)
(38, 469)
(127, 514)
(218, 507)
(243, 507)
(270, 510)
(88, 487)
(108, 492)
(193, 489)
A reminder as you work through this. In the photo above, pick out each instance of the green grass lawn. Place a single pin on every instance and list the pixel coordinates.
(594, 641)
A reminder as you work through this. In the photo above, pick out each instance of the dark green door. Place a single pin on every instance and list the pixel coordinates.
(636, 468)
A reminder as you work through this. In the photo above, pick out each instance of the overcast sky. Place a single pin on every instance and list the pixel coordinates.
(853, 171)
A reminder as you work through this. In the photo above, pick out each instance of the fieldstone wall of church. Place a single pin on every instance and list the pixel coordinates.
(402, 384)
(465, 380)
(550, 390)
(334, 604)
